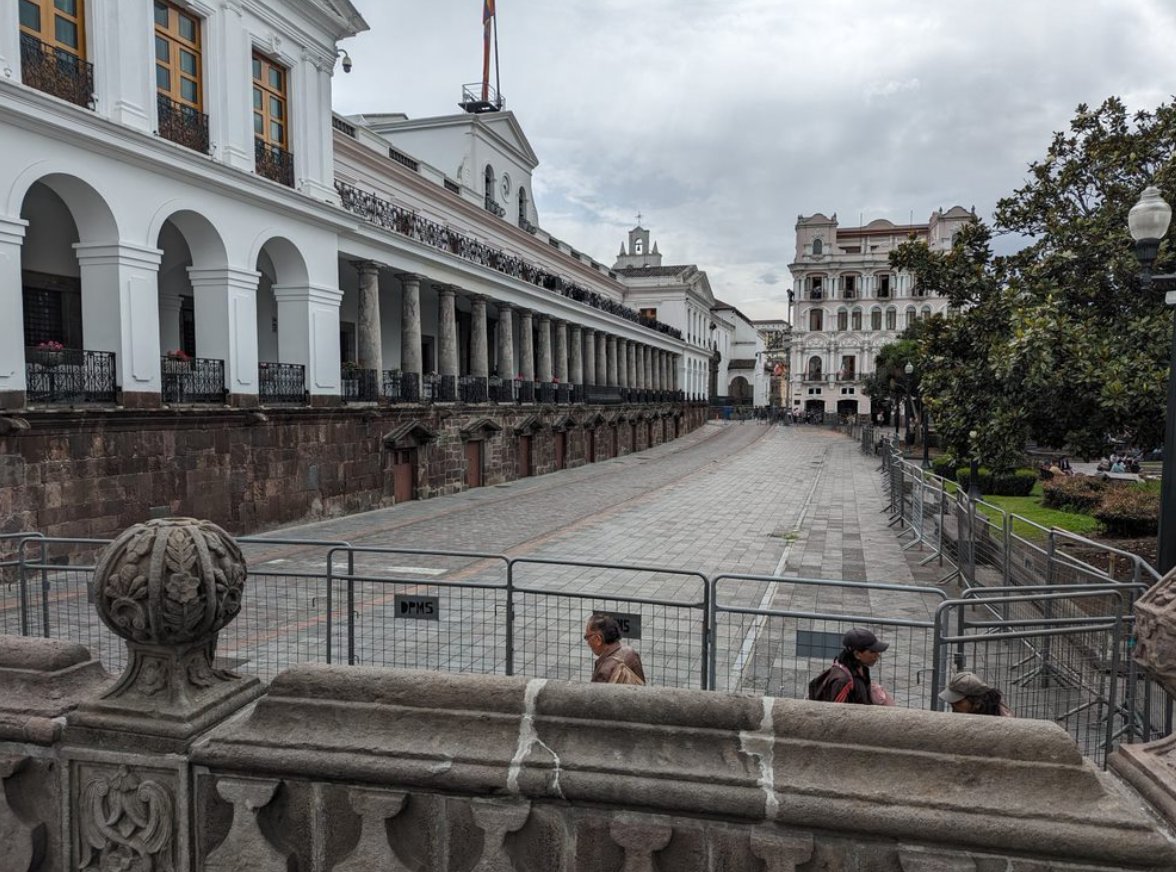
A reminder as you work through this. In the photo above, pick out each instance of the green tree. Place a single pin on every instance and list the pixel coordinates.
(1056, 342)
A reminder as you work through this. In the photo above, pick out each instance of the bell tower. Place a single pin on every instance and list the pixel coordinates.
(639, 252)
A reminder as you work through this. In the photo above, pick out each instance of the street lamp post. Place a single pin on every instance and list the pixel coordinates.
(926, 438)
(909, 369)
(1148, 222)
(974, 470)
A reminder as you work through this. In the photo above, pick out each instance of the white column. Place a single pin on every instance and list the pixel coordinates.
(118, 46)
(479, 361)
(225, 303)
(308, 333)
(576, 355)
(10, 49)
(545, 369)
(228, 86)
(526, 362)
(410, 325)
(120, 313)
(369, 343)
(589, 356)
(310, 122)
(505, 343)
(12, 343)
(561, 351)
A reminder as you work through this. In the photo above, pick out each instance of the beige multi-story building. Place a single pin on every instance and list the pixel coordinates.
(850, 302)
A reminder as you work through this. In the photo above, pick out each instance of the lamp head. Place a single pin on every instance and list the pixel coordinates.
(346, 60)
(909, 368)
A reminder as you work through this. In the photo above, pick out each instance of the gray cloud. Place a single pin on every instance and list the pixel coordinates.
(721, 120)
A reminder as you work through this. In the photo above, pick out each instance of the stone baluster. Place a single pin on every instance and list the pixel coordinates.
(373, 851)
(641, 836)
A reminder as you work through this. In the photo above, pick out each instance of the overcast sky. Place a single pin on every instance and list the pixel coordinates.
(722, 120)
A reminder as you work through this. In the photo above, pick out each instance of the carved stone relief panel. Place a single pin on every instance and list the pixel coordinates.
(125, 817)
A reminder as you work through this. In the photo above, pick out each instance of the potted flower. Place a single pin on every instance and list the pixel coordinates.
(178, 360)
(52, 352)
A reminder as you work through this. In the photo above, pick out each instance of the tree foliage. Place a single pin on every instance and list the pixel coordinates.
(1057, 342)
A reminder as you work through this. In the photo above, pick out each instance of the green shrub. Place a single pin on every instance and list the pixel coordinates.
(1129, 510)
(1014, 483)
(944, 467)
(1078, 493)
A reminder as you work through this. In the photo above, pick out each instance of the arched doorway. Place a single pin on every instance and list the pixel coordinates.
(740, 391)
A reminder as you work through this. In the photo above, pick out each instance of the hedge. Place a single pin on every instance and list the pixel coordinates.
(1078, 493)
(1017, 483)
(1129, 510)
(944, 467)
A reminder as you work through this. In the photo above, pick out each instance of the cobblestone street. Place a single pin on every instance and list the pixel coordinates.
(728, 499)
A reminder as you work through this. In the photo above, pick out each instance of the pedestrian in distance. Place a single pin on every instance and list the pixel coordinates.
(616, 662)
(848, 679)
(968, 694)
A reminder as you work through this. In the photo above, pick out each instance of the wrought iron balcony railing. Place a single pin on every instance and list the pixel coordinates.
(524, 390)
(182, 124)
(546, 392)
(69, 375)
(360, 385)
(192, 380)
(472, 389)
(383, 213)
(563, 394)
(430, 387)
(56, 71)
(274, 163)
(281, 383)
(602, 395)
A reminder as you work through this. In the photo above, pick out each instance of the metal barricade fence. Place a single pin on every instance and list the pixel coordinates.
(447, 612)
(760, 648)
(549, 615)
(1061, 668)
(14, 610)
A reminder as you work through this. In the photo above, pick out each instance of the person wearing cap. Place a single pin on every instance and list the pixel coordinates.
(848, 679)
(967, 694)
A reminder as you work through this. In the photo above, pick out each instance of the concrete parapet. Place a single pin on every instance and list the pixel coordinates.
(592, 777)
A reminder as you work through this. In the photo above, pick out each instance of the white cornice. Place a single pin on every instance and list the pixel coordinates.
(31, 110)
(394, 176)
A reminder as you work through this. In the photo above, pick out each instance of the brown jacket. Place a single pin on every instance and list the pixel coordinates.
(605, 664)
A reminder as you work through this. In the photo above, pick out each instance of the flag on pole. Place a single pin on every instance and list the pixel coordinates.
(487, 24)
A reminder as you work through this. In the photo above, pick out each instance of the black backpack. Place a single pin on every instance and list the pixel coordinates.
(818, 687)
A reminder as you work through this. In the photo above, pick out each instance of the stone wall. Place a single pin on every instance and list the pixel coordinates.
(91, 474)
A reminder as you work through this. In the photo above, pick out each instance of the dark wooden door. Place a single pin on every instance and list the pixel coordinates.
(524, 456)
(590, 445)
(404, 474)
(633, 436)
(473, 458)
(616, 441)
(561, 449)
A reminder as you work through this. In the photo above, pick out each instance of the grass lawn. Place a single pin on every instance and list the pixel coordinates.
(1030, 508)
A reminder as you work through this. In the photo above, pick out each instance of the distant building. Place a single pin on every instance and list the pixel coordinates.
(777, 337)
(850, 302)
(744, 373)
(679, 296)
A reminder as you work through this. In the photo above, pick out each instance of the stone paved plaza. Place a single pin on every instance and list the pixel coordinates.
(740, 498)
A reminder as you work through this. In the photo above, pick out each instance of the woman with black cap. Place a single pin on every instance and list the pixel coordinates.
(848, 679)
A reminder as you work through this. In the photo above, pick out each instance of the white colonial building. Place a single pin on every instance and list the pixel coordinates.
(183, 219)
(680, 296)
(849, 302)
(744, 371)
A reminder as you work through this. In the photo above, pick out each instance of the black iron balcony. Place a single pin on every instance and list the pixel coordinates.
(446, 390)
(399, 219)
(360, 385)
(69, 375)
(472, 389)
(393, 386)
(563, 394)
(430, 387)
(192, 379)
(602, 395)
(281, 383)
(56, 71)
(546, 392)
(524, 390)
(499, 390)
(274, 163)
(492, 206)
(577, 393)
(182, 124)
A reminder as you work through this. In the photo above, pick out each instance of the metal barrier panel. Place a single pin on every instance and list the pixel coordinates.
(56, 582)
(553, 600)
(1066, 669)
(419, 609)
(773, 635)
(15, 608)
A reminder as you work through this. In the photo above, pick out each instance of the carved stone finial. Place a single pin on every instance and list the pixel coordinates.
(168, 586)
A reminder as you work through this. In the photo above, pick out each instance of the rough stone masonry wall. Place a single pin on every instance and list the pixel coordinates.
(91, 474)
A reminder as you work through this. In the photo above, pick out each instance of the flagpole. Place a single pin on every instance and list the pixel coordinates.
(497, 76)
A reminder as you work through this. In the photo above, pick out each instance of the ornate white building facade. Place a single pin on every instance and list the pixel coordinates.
(849, 302)
(184, 220)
